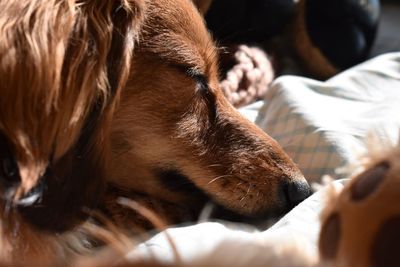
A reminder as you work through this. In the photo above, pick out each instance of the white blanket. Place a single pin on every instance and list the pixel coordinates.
(204, 239)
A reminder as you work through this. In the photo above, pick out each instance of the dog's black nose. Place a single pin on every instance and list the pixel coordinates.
(295, 192)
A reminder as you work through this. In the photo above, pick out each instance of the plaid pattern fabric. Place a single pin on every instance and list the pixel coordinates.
(304, 142)
(323, 125)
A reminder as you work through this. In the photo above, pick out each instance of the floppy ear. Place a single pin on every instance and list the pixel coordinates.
(127, 18)
(114, 28)
(203, 5)
(97, 62)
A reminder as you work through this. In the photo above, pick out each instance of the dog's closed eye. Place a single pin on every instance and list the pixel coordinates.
(10, 177)
(204, 91)
(202, 83)
(194, 73)
(9, 168)
(201, 80)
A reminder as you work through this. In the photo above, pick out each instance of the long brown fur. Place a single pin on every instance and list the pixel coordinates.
(102, 99)
(62, 65)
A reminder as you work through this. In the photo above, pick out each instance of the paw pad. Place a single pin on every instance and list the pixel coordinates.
(385, 247)
(330, 236)
(369, 181)
(361, 224)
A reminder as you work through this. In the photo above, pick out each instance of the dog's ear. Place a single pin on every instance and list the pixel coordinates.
(114, 26)
(202, 5)
(100, 62)
(62, 64)
(111, 29)
(127, 19)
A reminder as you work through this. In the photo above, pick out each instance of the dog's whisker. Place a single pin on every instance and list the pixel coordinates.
(248, 190)
(218, 178)
(155, 220)
(206, 212)
(247, 193)
(215, 165)
(8, 206)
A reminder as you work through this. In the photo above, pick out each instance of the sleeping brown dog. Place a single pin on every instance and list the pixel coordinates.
(174, 129)
(123, 95)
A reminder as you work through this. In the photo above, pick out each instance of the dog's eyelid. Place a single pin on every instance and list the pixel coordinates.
(193, 72)
(202, 84)
(199, 77)
(196, 74)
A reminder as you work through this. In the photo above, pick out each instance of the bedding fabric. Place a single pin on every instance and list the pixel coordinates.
(324, 125)
(300, 225)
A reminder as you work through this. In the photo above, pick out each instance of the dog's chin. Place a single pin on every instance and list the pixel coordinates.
(262, 219)
(175, 181)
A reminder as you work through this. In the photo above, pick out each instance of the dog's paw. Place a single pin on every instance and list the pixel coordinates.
(361, 226)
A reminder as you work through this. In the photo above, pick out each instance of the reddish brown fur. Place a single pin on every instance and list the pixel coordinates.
(176, 125)
(63, 67)
(46, 46)
(45, 98)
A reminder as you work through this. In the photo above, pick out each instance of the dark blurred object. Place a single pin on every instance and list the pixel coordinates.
(248, 21)
(344, 30)
(388, 37)
(333, 35)
(328, 35)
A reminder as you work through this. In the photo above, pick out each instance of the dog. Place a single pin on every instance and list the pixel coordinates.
(121, 98)
(187, 136)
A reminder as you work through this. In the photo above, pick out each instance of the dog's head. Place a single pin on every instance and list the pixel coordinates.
(62, 64)
(175, 136)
